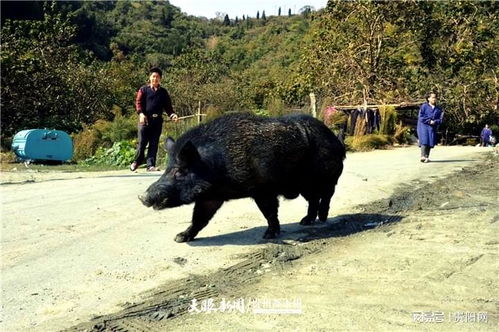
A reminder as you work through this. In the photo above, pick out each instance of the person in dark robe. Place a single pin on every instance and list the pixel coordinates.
(430, 117)
(485, 136)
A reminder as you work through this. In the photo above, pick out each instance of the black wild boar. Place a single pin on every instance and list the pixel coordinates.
(243, 155)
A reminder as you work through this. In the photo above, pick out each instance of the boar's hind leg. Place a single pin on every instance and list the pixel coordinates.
(269, 204)
(313, 206)
(203, 212)
(324, 204)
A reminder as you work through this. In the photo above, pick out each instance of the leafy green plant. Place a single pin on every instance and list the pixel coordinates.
(121, 128)
(104, 134)
(261, 112)
(120, 154)
(495, 130)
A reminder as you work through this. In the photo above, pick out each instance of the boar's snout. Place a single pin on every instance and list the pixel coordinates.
(148, 201)
(143, 199)
(157, 197)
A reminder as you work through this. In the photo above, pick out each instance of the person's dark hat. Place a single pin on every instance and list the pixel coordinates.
(156, 70)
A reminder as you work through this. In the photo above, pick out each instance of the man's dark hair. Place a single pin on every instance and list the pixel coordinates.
(156, 70)
(427, 95)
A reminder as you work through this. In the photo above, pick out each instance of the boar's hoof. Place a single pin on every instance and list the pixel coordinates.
(322, 217)
(307, 220)
(270, 234)
(184, 237)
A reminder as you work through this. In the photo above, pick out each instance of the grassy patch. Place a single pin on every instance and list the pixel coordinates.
(368, 142)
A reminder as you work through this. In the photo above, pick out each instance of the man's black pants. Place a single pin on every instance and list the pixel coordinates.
(148, 134)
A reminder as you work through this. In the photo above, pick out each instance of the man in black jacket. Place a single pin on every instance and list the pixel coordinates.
(151, 101)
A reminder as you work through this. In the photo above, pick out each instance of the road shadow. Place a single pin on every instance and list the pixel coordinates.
(339, 226)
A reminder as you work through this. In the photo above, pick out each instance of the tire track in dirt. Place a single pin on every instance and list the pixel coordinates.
(174, 300)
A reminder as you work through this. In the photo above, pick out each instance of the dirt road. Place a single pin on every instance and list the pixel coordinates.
(75, 246)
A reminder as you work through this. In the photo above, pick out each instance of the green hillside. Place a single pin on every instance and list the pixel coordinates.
(69, 64)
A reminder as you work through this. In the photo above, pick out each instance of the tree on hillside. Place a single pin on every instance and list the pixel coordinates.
(465, 60)
(289, 12)
(263, 16)
(226, 20)
(46, 80)
(95, 30)
(204, 77)
(21, 10)
(219, 16)
(396, 51)
(258, 15)
(279, 12)
(356, 48)
(306, 11)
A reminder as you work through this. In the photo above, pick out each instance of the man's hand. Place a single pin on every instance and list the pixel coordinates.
(142, 119)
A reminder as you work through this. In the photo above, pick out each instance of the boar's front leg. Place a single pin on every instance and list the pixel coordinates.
(269, 205)
(204, 209)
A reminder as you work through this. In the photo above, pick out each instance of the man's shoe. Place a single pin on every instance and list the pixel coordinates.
(152, 169)
(427, 160)
(134, 166)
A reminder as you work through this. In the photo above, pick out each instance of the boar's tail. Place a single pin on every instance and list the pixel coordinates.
(341, 137)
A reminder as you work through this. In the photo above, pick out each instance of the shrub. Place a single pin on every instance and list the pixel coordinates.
(213, 112)
(261, 112)
(173, 130)
(402, 134)
(333, 118)
(120, 154)
(120, 129)
(85, 143)
(104, 134)
(367, 142)
(176, 129)
(388, 120)
(495, 130)
(275, 106)
(326, 103)
(7, 157)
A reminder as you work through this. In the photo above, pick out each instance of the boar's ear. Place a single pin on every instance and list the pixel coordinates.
(188, 153)
(169, 142)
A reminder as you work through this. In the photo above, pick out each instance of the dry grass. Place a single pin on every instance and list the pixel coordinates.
(367, 142)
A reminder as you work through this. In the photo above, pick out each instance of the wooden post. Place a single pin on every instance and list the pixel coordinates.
(364, 93)
(199, 112)
(312, 104)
